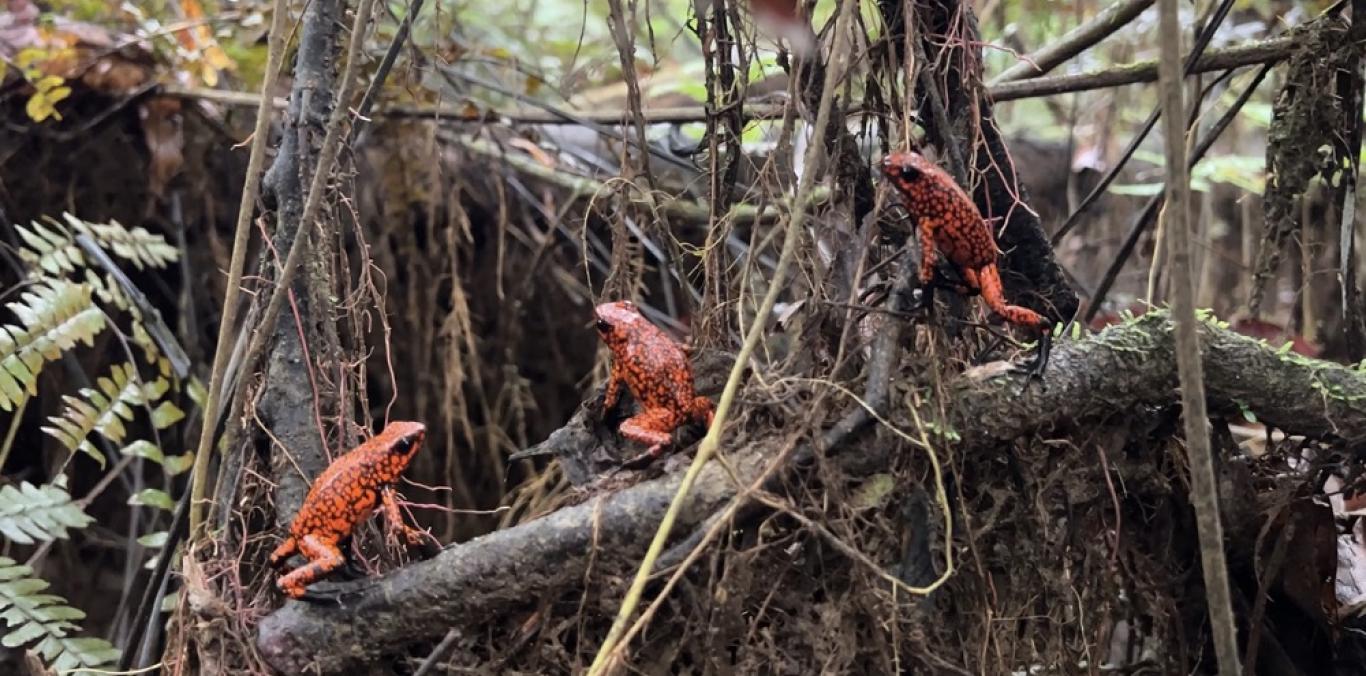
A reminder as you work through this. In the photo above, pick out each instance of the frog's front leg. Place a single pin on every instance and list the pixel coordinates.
(395, 517)
(613, 388)
(703, 411)
(654, 427)
(323, 558)
(284, 551)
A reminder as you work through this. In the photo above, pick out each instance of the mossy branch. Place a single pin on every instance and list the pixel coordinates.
(1096, 381)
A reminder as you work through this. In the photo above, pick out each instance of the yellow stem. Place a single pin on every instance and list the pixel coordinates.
(274, 56)
(712, 440)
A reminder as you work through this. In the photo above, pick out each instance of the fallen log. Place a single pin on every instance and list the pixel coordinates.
(1098, 379)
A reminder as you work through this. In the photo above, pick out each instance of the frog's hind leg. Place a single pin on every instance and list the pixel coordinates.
(323, 557)
(650, 427)
(352, 568)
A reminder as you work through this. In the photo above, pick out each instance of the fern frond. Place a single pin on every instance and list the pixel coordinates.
(135, 245)
(53, 249)
(46, 621)
(103, 410)
(53, 317)
(30, 513)
(110, 293)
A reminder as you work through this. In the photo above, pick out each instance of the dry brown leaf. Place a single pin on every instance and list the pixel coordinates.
(162, 131)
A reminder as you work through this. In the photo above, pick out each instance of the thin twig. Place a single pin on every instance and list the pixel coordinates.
(1075, 41)
(1203, 490)
(439, 652)
(1155, 202)
(367, 100)
(838, 55)
(1248, 54)
(245, 208)
(1191, 60)
(1354, 328)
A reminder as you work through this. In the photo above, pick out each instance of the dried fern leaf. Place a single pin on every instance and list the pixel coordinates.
(52, 247)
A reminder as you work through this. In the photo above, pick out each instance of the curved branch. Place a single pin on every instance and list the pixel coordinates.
(1098, 379)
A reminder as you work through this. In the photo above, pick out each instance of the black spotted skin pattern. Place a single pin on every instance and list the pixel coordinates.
(656, 370)
(949, 225)
(344, 496)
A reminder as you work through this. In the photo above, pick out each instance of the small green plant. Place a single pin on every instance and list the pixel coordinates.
(46, 621)
(66, 300)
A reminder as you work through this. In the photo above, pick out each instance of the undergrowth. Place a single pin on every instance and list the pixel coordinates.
(74, 306)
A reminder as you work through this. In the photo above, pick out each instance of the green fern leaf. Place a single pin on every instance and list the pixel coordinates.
(30, 513)
(46, 619)
(104, 410)
(110, 293)
(51, 251)
(53, 317)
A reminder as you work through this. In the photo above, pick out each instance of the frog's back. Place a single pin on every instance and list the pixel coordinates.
(667, 379)
(342, 496)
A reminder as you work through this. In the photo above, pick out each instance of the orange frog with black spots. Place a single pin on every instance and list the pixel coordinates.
(342, 498)
(656, 370)
(950, 226)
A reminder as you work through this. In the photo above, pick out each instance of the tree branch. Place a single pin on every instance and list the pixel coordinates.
(1075, 41)
(1247, 54)
(1265, 51)
(1089, 382)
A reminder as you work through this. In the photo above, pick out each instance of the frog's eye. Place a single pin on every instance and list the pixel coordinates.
(403, 445)
(909, 173)
(603, 325)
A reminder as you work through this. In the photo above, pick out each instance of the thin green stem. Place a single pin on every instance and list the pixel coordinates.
(834, 70)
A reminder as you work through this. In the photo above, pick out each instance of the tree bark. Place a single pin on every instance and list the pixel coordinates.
(1030, 273)
(287, 405)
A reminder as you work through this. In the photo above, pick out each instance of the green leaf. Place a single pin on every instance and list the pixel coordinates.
(54, 316)
(155, 540)
(46, 622)
(104, 410)
(31, 513)
(153, 497)
(144, 449)
(166, 414)
(168, 602)
(198, 393)
(176, 464)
